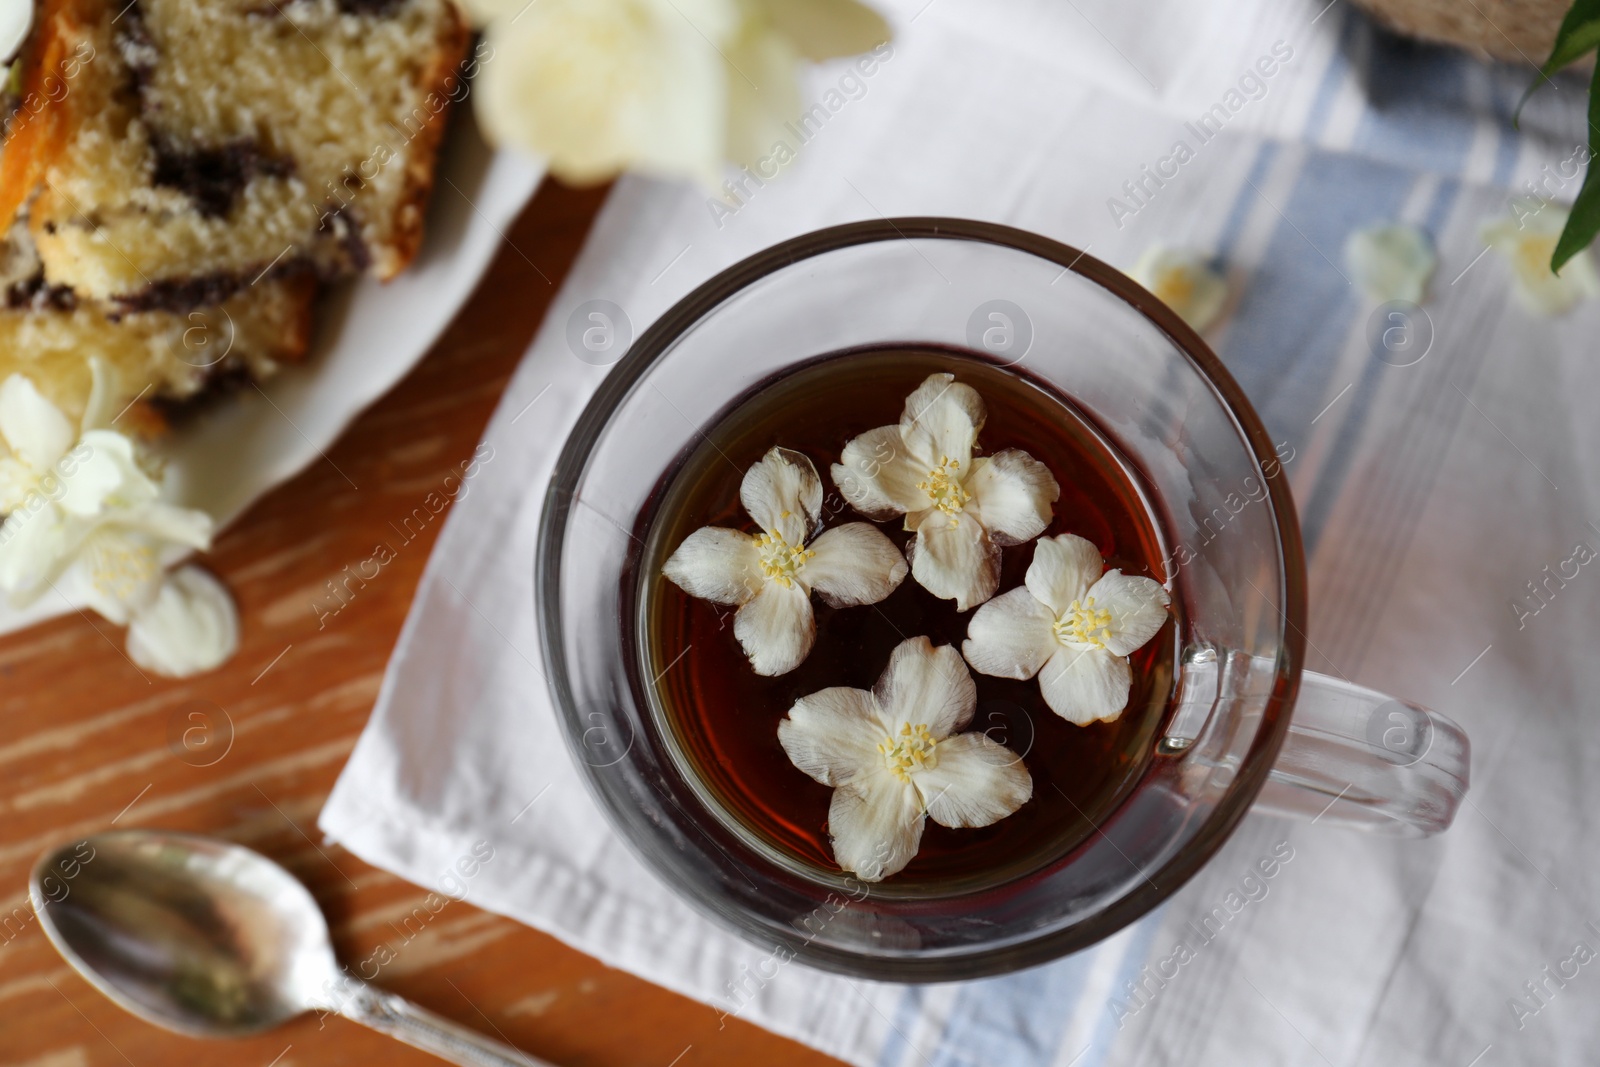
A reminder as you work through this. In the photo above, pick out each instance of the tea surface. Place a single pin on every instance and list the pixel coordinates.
(725, 717)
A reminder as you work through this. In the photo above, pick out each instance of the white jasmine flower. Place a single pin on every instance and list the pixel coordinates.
(1183, 280)
(84, 515)
(191, 626)
(86, 518)
(962, 508)
(1527, 240)
(1072, 626)
(673, 87)
(771, 575)
(1391, 261)
(34, 436)
(895, 757)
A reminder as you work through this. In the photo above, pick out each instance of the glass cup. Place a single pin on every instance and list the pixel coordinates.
(1247, 724)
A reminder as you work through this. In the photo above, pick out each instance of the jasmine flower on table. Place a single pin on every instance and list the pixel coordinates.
(1527, 240)
(771, 575)
(962, 508)
(189, 627)
(896, 757)
(1391, 261)
(86, 520)
(1185, 281)
(1072, 626)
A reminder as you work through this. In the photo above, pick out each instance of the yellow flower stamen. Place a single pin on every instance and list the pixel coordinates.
(119, 569)
(1084, 624)
(1533, 254)
(1174, 286)
(944, 488)
(781, 561)
(913, 749)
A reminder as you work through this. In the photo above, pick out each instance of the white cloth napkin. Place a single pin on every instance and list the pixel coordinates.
(1430, 496)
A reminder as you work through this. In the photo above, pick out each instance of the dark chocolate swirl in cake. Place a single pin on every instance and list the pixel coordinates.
(205, 145)
(177, 175)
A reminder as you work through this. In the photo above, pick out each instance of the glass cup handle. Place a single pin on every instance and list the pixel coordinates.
(1360, 758)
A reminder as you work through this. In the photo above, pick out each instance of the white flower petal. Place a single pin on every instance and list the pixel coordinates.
(941, 421)
(36, 547)
(825, 29)
(1527, 240)
(716, 564)
(192, 626)
(1063, 569)
(167, 522)
(782, 492)
(16, 18)
(1183, 280)
(1011, 495)
(1391, 261)
(763, 92)
(776, 628)
(107, 474)
(1086, 685)
(926, 686)
(115, 572)
(92, 525)
(38, 433)
(833, 735)
(1011, 636)
(877, 475)
(1529, 216)
(18, 483)
(1138, 608)
(952, 557)
(876, 825)
(854, 564)
(599, 86)
(97, 412)
(976, 782)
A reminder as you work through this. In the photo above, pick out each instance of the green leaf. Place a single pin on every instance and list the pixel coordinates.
(1579, 33)
(1584, 222)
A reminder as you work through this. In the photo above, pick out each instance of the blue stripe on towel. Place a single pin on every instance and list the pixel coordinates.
(1507, 151)
(1414, 115)
(1233, 225)
(1296, 308)
(1438, 211)
(1137, 955)
(897, 1043)
(1506, 85)
(1294, 317)
(1015, 1020)
(1358, 403)
(1333, 77)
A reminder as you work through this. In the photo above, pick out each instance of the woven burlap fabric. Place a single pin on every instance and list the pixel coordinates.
(1511, 30)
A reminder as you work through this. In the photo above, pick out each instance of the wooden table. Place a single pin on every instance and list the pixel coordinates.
(88, 741)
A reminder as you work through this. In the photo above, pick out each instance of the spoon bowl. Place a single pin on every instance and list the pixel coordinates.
(211, 939)
(200, 936)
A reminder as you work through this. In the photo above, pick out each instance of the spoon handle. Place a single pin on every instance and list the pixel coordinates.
(396, 1016)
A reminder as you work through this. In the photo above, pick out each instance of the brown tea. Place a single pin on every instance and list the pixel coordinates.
(724, 717)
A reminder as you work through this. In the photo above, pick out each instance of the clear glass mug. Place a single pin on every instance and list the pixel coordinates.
(1247, 725)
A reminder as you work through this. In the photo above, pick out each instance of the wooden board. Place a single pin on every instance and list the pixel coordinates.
(89, 741)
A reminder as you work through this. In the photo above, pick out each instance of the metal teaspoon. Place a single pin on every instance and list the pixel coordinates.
(211, 939)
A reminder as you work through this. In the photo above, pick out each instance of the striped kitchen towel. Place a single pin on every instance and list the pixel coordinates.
(1434, 498)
